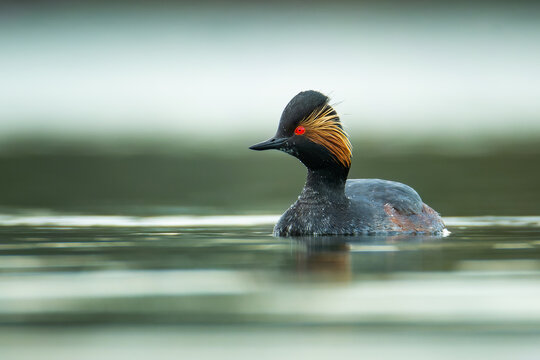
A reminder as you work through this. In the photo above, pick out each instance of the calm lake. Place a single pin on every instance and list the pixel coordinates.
(152, 256)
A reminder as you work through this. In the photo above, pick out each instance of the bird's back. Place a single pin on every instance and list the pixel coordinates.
(391, 206)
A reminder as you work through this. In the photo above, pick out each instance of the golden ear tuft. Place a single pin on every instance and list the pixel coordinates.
(323, 127)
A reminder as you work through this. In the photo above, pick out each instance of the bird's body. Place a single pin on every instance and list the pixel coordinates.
(367, 206)
(330, 204)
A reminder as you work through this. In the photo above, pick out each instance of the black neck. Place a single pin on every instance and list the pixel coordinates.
(325, 184)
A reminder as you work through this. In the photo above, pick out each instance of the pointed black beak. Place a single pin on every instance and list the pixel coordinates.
(273, 143)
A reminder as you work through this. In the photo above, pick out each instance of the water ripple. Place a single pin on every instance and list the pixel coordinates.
(221, 220)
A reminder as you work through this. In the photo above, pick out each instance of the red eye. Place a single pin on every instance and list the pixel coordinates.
(299, 130)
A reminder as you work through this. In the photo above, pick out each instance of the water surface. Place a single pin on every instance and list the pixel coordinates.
(211, 269)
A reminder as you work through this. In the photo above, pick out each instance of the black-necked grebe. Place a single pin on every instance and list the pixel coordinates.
(330, 204)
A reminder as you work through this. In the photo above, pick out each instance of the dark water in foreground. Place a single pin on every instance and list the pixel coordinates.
(221, 286)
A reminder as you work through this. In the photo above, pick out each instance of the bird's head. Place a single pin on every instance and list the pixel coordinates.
(310, 130)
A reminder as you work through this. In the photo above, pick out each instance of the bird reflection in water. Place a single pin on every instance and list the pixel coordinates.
(326, 257)
(329, 258)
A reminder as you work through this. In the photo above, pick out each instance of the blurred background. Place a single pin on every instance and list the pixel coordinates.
(149, 107)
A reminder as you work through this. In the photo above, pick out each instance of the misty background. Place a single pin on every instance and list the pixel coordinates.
(133, 104)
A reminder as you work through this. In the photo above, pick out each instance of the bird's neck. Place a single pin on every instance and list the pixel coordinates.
(325, 184)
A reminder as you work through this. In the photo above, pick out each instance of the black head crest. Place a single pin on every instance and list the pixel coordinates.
(299, 108)
(310, 130)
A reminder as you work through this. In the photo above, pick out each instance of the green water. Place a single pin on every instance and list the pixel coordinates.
(140, 256)
(124, 287)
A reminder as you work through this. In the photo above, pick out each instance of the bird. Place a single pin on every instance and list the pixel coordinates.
(330, 204)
